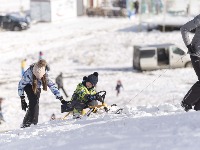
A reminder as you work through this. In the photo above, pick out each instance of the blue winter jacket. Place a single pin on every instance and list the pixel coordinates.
(28, 79)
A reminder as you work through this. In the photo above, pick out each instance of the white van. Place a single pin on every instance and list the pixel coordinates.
(160, 56)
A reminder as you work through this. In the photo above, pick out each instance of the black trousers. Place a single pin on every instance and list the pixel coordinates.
(32, 113)
(193, 95)
(80, 105)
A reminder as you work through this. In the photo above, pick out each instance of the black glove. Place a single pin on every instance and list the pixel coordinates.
(190, 48)
(99, 98)
(62, 100)
(23, 103)
(91, 97)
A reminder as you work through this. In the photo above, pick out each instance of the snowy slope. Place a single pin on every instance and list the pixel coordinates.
(152, 119)
(135, 130)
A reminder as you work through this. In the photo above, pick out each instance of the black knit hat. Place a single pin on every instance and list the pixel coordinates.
(93, 78)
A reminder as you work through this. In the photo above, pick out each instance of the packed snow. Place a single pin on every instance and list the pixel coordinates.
(152, 117)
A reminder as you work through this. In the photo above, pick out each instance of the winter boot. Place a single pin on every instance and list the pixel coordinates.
(25, 125)
(186, 106)
(76, 114)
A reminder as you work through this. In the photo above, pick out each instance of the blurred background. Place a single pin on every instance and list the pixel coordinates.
(159, 14)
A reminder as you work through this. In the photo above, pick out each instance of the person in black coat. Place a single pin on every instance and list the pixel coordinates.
(136, 6)
(192, 98)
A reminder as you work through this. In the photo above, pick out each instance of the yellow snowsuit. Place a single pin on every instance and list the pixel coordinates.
(80, 96)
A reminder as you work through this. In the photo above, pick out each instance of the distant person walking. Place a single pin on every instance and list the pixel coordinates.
(40, 55)
(192, 98)
(158, 6)
(23, 65)
(136, 6)
(59, 82)
(1, 114)
(118, 87)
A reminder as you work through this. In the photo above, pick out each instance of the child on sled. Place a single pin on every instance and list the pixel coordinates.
(84, 96)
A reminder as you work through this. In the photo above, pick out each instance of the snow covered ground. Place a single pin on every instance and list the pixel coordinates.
(152, 119)
(14, 5)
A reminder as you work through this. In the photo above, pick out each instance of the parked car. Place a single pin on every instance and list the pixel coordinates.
(160, 56)
(14, 22)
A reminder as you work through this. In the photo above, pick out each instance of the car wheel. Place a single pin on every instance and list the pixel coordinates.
(16, 28)
(188, 65)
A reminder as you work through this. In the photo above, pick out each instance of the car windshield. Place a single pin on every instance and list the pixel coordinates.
(17, 17)
(178, 51)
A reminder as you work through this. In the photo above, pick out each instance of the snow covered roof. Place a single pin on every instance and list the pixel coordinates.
(156, 45)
